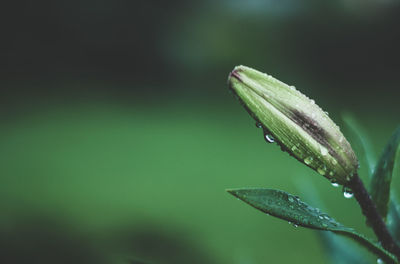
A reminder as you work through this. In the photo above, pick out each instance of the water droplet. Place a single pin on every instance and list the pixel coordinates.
(324, 225)
(322, 170)
(320, 217)
(323, 151)
(290, 199)
(312, 101)
(292, 87)
(335, 184)
(326, 113)
(258, 124)
(379, 261)
(269, 138)
(308, 160)
(347, 193)
(295, 225)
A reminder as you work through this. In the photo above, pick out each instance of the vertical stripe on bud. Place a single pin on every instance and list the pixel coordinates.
(296, 123)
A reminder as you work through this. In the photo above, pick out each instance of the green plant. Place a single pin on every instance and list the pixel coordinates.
(307, 133)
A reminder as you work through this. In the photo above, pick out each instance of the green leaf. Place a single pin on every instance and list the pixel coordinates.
(360, 142)
(382, 177)
(364, 150)
(393, 219)
(338, 249)
(290, 208)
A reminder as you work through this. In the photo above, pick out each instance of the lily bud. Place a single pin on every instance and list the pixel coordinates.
(296, 123)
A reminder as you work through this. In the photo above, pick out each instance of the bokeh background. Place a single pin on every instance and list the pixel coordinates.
(118, 135)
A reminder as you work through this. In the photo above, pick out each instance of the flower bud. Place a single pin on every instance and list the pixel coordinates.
(296, 123)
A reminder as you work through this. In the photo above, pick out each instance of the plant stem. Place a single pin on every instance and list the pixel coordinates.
(368, 208)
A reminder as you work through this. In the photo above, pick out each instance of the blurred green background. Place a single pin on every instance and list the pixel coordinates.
(119, 136)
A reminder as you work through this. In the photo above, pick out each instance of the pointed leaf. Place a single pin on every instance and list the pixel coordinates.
(290, 208)
(382, 177)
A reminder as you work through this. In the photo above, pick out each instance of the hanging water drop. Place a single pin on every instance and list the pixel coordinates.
(379, 261)
(269, 138)
(335, 184)
(258, 124)
(347, 193)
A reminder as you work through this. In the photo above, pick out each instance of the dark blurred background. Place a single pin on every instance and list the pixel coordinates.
(119, 136)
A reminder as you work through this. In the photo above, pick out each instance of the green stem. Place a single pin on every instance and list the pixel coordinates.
(368, 208)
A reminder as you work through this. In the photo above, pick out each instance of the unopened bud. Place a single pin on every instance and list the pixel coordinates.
(296, 123)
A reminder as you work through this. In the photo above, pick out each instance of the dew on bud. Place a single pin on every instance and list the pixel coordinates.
(323, 151)
(334, 183)
(308, 160)
(269, 138)
(322, 170)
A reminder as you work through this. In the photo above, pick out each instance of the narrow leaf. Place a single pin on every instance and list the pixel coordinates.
(363, 148)
(393, 219)
(382, 177)
(290, 208)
